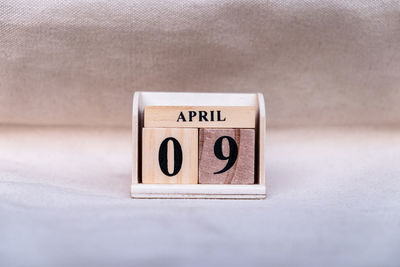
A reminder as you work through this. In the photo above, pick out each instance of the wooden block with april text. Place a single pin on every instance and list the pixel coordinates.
(200, 116)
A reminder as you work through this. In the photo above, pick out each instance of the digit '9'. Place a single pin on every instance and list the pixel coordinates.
(233, 152)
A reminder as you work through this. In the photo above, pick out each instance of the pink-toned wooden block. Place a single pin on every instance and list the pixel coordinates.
(226, 156)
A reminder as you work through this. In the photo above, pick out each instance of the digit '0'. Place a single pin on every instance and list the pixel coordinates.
(163, 156)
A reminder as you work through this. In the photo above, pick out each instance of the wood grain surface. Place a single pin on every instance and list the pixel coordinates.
(210, 166)
(200, 116)
(152, 172)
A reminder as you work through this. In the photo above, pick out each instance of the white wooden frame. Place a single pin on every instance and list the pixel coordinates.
(218, 191)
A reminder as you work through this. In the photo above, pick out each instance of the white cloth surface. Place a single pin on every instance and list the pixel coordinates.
(333, 200)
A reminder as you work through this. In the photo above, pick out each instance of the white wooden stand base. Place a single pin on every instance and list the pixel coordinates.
(255, 191)
(216, 191)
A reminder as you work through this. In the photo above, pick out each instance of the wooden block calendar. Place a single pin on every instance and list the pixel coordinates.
(198, 145)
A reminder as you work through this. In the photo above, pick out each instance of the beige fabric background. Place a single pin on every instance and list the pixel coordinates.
(330, 74)
(317, 62)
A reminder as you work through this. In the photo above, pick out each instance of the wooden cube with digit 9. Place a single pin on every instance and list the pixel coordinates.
(170, 156)
(226, 156)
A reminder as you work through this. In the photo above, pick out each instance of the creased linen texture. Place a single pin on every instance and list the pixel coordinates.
(330, 74)
(318, 62)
